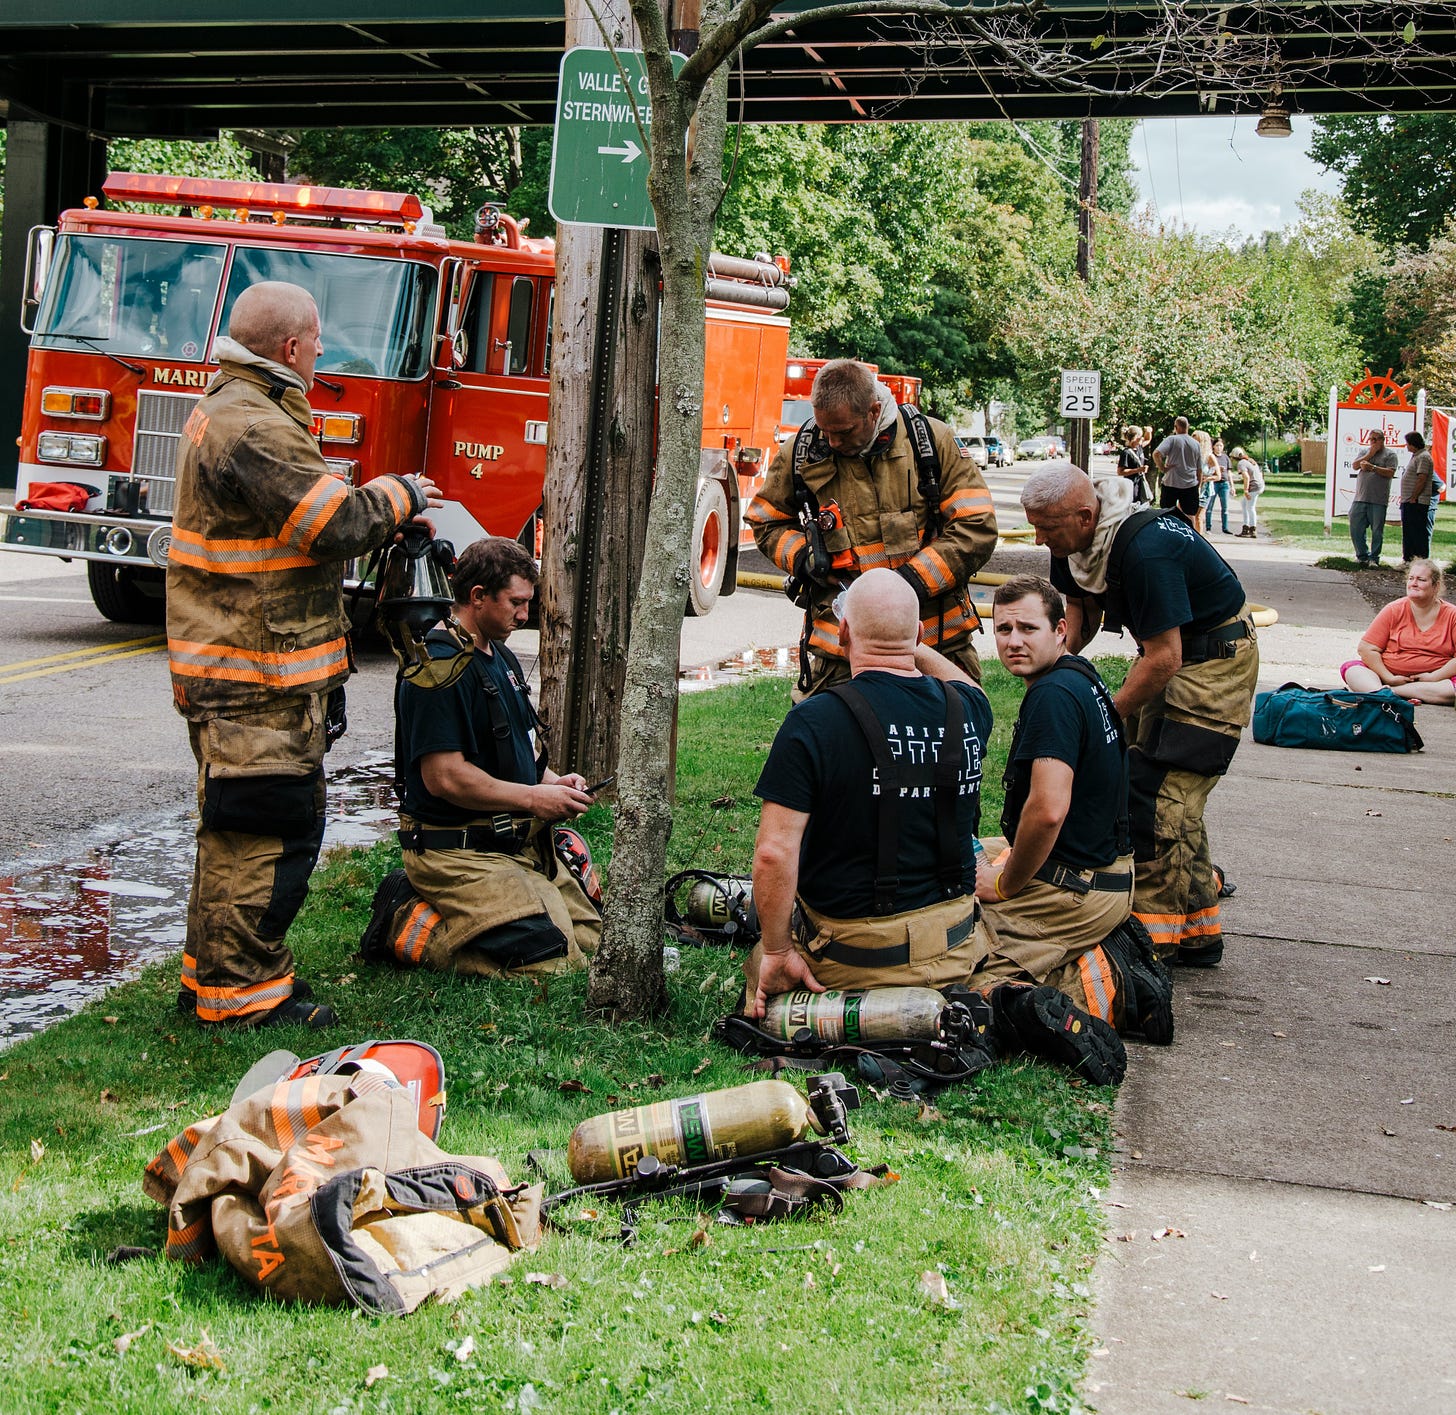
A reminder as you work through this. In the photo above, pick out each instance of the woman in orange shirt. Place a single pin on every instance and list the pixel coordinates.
(1411, 646)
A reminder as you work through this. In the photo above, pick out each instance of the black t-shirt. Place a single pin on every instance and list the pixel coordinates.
(1064, 718)
(458, 719)
(1171, 578)
(821, 764)
(1131, 459)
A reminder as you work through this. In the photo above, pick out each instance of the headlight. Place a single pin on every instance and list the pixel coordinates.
(338, 427)
(75, 448)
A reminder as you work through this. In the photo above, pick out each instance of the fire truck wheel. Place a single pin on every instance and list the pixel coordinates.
(709, 557)
(126, 595)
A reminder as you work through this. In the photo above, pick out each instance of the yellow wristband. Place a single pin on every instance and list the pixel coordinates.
(999, 895)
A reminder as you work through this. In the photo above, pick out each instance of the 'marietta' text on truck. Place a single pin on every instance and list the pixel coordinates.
(436, 359)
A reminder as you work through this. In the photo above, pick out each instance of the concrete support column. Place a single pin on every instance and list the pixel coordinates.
(47, 168)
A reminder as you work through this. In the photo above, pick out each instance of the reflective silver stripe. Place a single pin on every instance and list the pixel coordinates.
(212, 1000)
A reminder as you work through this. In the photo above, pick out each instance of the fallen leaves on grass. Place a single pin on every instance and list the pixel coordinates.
(465, 1350)
(375, 1373)
(37, 1152)
(201, 1356)
(702, 1066)
(555, 1280)
(111, 1022)
(123, 1342)
(575, 1086)
(933, 1287)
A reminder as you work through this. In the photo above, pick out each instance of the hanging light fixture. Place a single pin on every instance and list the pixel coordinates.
(1274, 120)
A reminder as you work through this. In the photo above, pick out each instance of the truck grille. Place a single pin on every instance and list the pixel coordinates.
(160, 419)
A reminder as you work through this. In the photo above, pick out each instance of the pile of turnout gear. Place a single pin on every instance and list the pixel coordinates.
(322, 1183)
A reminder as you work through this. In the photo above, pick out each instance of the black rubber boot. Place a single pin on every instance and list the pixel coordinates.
(1046, 1023)
(298, 1012)
(1144, 985)
(1199, 955)
(394, 890)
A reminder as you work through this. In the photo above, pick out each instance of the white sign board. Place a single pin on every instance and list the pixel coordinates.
(1081, 393)
(1350, 429)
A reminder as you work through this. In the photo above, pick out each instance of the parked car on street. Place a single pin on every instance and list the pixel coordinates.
(1035, 449)
(997, 453)
(975, 445)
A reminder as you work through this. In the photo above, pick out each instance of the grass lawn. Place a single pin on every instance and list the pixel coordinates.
(1292, 508)
(998, 1193)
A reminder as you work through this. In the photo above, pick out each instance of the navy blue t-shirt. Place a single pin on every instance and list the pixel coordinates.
(1172, 578)
(1063, 718)
(820, 764)
(457, 719)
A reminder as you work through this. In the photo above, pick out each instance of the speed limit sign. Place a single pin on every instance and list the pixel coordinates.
(1081, 393)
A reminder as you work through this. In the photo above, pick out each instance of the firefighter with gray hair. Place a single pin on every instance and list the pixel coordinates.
(258, 647)
(1188, 695)
(867, 484)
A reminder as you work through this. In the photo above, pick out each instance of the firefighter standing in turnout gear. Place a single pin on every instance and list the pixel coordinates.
(257, 645)
(870, 485)
(1058, 901)
(1187, 697)
(482, 890)
(864, 870)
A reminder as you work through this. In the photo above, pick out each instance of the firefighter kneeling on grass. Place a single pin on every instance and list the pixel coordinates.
(482, 890)
(864, 870)
(1059, 899)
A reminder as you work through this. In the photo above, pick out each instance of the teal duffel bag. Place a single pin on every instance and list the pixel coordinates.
(1336, 720)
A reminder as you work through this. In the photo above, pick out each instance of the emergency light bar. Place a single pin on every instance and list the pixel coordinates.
(324, 202)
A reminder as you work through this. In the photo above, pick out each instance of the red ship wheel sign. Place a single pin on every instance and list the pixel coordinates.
(1373, 391)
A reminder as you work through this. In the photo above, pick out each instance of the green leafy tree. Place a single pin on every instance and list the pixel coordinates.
(1397, 171)
(453, 170)
(226, 158)
(1420, 303)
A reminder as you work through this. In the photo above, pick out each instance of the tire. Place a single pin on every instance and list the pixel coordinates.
(708, 561)
(126, 595)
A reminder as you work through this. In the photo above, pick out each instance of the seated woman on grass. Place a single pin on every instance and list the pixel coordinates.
(1411, 646)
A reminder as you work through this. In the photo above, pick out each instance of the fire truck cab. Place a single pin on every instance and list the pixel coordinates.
(436, 359)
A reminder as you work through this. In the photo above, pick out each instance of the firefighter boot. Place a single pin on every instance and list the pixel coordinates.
(1144, 999)
(1046, 1023)
(394, 890)
(296, 1011)
(187, 997)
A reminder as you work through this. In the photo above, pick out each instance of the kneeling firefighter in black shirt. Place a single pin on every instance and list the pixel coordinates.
(488, 885)
(864, 870)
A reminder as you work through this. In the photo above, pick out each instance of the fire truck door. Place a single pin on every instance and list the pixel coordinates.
(487, 441)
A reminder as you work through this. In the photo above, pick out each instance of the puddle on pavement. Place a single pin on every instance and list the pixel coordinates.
(751, 663)
(70, 930)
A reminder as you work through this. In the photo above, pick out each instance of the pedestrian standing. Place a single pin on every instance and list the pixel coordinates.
(1218, 487)
(1416, 487)
(1374, 472)
(1179, 461)
(1252, 479)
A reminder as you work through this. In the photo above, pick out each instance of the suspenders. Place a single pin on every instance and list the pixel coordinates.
(897, 774)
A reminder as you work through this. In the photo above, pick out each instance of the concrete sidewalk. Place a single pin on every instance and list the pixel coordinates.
(1294, 1148)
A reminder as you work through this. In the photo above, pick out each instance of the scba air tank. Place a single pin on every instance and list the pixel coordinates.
(714, 1125)
(857, 1016)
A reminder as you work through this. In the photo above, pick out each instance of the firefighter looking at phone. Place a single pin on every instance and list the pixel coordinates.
(492, 883)
(869, 484)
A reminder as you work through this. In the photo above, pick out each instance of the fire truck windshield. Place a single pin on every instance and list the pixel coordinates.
(128, 296)
(375, 315)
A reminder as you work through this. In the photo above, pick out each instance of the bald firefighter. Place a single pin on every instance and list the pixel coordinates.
(1186, 699)
(870, 485)
(257, 643)
(864, 870)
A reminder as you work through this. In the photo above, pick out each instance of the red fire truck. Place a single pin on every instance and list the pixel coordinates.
(436, 359)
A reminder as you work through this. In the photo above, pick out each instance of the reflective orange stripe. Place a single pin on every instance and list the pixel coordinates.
(1097, 984)
(929, 564)
(314, 511)
(1204, 923)
(409, 945)
(238, 665)
(222, 1004)
(824, 638)
(871, 557)
(188, 1245)
(788, 547)
(235, 557)
(1162, 928)
(971, 501)
(179, 1151)
(399, 497)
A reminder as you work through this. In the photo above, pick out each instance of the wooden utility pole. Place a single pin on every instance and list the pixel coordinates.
(1079, 430)
(598, 466)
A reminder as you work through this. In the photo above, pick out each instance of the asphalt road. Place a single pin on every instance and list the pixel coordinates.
(93, 748)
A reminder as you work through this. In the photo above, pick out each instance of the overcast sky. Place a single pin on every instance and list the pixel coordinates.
(1214, 173)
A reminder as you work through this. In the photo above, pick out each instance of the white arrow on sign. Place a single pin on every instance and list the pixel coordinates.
(630, 153)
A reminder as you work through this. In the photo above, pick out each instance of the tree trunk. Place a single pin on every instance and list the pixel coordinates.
(626, 973)
(598, 479)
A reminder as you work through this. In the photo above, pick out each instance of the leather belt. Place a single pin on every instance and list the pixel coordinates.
(502, 834)
(1083, 881)
(1215, 643)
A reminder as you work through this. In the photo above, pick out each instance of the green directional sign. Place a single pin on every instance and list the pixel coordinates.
(598, 165)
